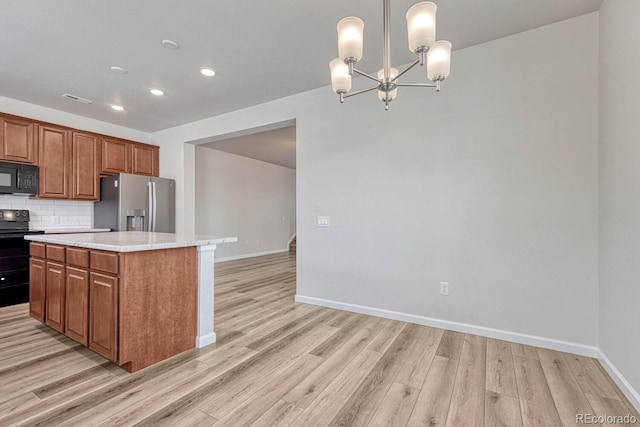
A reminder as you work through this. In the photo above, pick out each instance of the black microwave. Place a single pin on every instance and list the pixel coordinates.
(18, 179)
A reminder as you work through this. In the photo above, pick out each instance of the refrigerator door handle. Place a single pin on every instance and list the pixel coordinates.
(150, 211)
(155, 196)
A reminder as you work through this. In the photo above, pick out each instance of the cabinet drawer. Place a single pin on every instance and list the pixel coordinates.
(104, 261)
(78, 257)
(37, 249)
(55, 253)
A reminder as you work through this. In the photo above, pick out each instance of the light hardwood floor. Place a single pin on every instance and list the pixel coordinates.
(282, 363)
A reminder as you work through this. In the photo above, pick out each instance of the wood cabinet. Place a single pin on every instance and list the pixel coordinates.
(71, 161)
(120, 156)
(74, 296)
(85, 166)
(37, 278)
(134, 308)
(103, 317)
(116, 156)
(145, 159)
(55, 293)
(77, 304)
(53, 162)
(17, 140)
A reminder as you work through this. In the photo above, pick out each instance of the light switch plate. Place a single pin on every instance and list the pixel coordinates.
(322, 221)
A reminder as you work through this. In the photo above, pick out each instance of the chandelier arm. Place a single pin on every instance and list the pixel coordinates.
(417, 84)
(369, 76)
(416, 62)
(349, 95)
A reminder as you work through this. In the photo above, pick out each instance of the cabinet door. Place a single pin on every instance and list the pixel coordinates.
(17, 142)
(103, 315)
(115, 155)
(77, 305)
(54, 311)
(145, 159)
(37, 277)
(85, 174)
(53, 162)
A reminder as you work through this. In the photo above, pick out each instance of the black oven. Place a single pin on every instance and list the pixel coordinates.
(18, 179)
(14, 256)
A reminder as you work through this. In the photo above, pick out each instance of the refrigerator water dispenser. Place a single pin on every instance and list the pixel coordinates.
(135, 220)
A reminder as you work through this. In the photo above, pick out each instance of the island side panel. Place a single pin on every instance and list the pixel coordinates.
(205, 334)
(157, 317)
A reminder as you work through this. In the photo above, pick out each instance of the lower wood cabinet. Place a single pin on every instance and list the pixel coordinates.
(37, 280)
(77, 305)
(134, 308)
(75, 298)
(55, 293)
(103, 315)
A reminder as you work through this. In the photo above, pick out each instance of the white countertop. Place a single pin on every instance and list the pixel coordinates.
(130, 241)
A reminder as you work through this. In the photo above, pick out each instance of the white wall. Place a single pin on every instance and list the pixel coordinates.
(490, 185)
(247, 198)
(619, 39)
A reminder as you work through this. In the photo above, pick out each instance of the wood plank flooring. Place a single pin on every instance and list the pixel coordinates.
(280, 363)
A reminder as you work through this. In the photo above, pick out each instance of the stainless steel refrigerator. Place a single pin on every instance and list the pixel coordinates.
(136, 203)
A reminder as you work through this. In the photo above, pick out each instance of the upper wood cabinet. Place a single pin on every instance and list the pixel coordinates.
(17, 141)
(71, 161)
(53, 162)
(85, 160)
(145, 159)
(116, 156)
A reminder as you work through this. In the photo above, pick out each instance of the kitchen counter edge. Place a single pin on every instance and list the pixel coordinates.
(130, 241)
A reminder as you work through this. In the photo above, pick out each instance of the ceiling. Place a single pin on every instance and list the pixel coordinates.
(274, 146)
(261, 50)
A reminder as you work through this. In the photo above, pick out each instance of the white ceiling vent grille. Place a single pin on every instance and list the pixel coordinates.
(77, 98)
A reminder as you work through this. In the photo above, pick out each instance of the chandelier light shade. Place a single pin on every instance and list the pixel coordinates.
(350, 38)
(421, 34)
(421, 26)
(439, 60)
(340, 77)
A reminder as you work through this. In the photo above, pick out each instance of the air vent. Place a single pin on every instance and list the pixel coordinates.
(76, 98)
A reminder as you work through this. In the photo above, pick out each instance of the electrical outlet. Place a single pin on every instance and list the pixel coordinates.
(444, 288)
(322, 221)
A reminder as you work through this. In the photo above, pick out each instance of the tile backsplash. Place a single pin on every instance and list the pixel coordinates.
(51, 214)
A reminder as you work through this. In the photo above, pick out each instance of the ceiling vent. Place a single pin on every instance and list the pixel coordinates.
(77, 98)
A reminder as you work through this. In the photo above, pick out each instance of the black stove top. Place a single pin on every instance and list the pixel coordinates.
(15, 223)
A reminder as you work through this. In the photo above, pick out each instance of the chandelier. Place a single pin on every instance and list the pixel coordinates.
(421, 29)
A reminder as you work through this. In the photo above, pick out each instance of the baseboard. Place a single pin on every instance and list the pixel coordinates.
(627, 389)
(205, 340)
(552, 344)
(255, 254)
(291, 239)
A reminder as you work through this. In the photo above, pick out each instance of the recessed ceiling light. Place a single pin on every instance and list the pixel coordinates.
(117, 107)
(207, 72)
(118, 70)
(170, 44)
(157, 92)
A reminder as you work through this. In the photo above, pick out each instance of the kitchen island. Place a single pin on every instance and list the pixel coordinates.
(134, 297)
